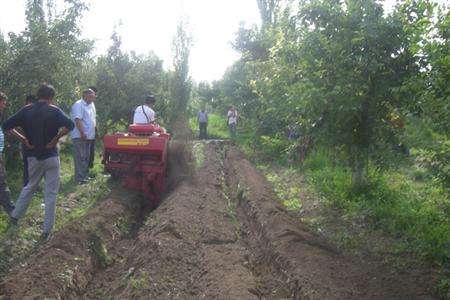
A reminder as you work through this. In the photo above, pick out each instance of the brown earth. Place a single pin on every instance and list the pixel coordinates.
(219, 234)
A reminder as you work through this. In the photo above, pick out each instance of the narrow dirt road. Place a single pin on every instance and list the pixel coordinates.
(221, 234)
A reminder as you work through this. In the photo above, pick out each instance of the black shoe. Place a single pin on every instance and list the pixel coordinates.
(12, 228)
(45, 237)
(9, 210)
(82, 182)
(13, 221)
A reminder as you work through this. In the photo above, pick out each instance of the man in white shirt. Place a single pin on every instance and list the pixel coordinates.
(83, 135)
(144, 114)
(232, 120)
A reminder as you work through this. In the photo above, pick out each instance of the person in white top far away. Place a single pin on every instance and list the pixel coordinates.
(232, 121)
(144, 114)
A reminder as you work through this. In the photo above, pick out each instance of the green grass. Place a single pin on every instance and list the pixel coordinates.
(415, 212)
(217, 126)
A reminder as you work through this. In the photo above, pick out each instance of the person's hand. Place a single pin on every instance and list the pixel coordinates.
(52, 144)
(28, 145)
(83, 136)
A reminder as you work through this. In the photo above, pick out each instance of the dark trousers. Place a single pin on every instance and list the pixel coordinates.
(92, 154)
(81, 152)
(232, 129)
(202, 127)
(5, 194)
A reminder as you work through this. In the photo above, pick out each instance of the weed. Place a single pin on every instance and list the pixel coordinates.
(198, 150)
(100, 251)
(140, 282)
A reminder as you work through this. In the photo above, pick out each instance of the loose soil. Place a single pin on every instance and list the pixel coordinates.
(220, 233)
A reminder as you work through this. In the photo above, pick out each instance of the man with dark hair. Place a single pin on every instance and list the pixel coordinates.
(41, 123)
(84, 134)
(5, 195)
(144, 114)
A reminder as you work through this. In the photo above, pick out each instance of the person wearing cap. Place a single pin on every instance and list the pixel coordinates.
(144, 114)
(83, 135)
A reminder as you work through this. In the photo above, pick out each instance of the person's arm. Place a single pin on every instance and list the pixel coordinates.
(55, 140)
(77, 114)
(21, 138)
(13, 122)
(152, 116)
(67, 126)
(80, 128)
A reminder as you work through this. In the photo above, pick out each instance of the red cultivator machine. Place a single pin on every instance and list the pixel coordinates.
(139, 157)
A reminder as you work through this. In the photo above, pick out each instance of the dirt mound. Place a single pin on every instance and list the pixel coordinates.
(68, 262)
(311, 267)
(181, 164)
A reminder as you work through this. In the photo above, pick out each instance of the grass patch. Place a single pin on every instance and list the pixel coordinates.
(414, 212)
(289, 194)
(217, 127)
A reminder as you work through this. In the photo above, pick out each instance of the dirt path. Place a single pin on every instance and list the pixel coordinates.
(219, 235)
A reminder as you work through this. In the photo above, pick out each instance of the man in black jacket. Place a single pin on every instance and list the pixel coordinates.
(41, 123)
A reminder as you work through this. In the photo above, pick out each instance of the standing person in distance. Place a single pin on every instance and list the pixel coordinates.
(202, 119)
(232, 121)
(83, 135)
(41, 123)
(144, 114)
(5, 194)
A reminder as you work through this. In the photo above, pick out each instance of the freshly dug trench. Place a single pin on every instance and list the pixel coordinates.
(188, 248)
(64, 266)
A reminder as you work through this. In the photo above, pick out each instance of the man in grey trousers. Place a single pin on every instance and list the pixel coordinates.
(84, 134)
(41, 123)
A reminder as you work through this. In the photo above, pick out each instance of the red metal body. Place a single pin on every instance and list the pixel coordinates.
(139, 157)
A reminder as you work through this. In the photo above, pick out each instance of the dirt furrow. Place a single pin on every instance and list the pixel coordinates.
(65, 266)
(310, 267)
(188, 247)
